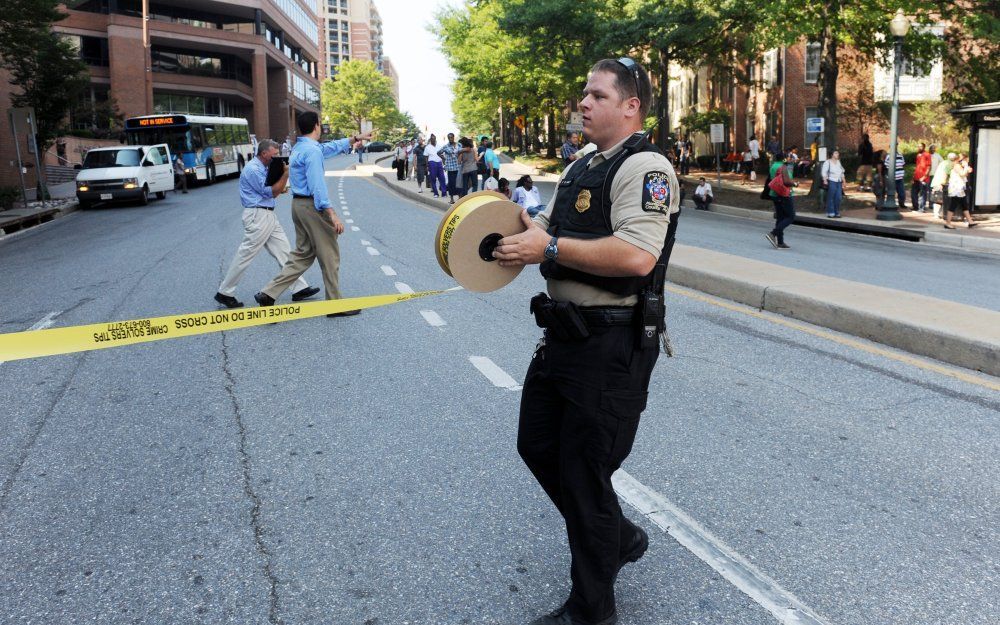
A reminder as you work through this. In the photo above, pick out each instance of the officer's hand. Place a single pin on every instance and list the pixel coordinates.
(338, 226)
(527, 248)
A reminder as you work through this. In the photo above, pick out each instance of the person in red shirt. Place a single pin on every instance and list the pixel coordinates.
(921, 180)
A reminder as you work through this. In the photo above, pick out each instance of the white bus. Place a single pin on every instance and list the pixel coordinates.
(208, 146)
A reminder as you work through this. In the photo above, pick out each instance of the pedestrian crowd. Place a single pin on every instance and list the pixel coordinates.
(453, 170)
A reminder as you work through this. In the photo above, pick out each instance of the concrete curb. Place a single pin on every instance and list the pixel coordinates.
(970, 243)
(954, 333)
(409, 194)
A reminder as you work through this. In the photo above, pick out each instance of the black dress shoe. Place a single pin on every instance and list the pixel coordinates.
(228, 301)
(346, 313)
(638, 547)
(561, 617)
(263, 299)
(305, 293)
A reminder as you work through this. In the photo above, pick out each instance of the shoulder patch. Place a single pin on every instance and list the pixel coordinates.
(656, 192)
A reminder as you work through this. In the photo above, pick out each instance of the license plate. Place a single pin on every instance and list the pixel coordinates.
(106, 196)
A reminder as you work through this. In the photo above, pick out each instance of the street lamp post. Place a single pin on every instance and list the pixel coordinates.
(898, 26)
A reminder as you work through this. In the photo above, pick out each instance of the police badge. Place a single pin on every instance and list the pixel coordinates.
(583, 201)
(656, 193)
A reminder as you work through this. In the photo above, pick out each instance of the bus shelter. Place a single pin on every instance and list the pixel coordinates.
(984, 154)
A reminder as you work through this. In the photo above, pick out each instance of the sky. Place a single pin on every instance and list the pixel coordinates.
(424, 75)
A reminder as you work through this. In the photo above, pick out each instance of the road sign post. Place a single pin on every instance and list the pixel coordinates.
(717, 135)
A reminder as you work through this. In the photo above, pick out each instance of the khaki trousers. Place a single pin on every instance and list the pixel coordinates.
(261, 230)
(315, 239)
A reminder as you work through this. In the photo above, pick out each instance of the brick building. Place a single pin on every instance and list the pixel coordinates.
(785, 93)
(257, 59)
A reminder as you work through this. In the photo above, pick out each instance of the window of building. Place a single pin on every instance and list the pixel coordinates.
(769, 69)
(92, 50)
(813, 51)
(175, 61)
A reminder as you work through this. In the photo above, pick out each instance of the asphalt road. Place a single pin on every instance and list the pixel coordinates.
(363, 470)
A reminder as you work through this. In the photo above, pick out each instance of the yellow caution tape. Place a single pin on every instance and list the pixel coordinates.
(454, 217)
(69, 340)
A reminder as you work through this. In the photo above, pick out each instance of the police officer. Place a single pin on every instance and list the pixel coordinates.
(602, 243)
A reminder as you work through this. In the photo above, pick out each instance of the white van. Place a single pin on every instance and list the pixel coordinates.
(125, 173)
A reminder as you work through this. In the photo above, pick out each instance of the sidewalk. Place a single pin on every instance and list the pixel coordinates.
(859, 214)
(35, 213)
(915, 323)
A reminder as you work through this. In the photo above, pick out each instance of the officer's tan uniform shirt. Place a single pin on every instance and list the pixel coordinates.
(643, 229)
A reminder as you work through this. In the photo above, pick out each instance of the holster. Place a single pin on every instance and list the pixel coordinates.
(562, 319)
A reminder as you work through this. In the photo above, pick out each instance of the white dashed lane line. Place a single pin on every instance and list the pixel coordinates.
(355, 229)
(432, 318)
(45, 322)
(387, 270)
(493, 373)
(404, 288)
(373, 251)
(365, 243)
(350, 221)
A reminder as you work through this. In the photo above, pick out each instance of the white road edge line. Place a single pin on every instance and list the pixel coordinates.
(433, 318)
(404, 288)
(387, 270)
(493, 373)
(373, 251)
(782, 604)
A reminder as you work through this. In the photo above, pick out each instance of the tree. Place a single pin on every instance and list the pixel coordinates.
(689, 32)
(858, 109)
(399, 126)
(47, 71)
(359, 93)
(972, 53)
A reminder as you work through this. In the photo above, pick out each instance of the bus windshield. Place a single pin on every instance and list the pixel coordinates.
(177, 139)
(125, 157)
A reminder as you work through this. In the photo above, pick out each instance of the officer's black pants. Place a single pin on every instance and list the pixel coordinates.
(580, 411)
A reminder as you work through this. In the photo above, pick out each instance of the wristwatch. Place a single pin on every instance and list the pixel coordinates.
(552, 249)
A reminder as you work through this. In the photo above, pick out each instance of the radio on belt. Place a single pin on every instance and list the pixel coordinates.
(469, 233)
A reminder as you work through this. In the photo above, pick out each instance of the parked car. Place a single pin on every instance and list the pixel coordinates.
(125, 173)
(378, 146)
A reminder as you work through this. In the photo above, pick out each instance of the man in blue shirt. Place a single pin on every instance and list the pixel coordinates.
(317, 226)
(261, 229)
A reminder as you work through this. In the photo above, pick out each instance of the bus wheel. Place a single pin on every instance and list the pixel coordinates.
(210, 173)
(144, 198)
(160, 195)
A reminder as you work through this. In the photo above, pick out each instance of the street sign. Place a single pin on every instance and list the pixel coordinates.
(717, 133)
(576, 118)
(519, 121)
(821, 155)
(814, 125)
(574, 128)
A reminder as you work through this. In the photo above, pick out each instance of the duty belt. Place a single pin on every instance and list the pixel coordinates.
(607, 315)
(267, 208)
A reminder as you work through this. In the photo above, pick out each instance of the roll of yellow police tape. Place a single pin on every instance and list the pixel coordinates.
(72, 339)
(467, 236)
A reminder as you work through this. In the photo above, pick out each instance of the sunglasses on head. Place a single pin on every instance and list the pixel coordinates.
(633, 69)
